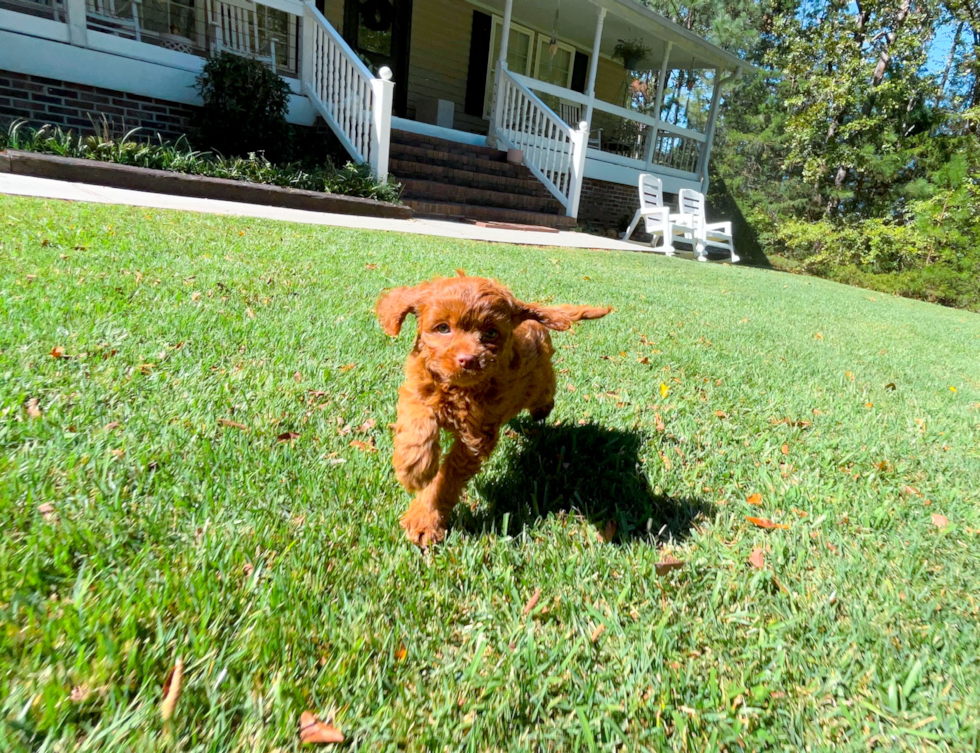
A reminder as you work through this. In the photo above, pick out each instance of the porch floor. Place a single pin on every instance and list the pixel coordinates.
(21, 185)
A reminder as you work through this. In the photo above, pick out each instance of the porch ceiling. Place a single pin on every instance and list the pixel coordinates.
(625, 19)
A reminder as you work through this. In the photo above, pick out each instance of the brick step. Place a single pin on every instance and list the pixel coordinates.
(453, 211)
(445, 145)
(430, 190)
(409, 153)
(527, 185)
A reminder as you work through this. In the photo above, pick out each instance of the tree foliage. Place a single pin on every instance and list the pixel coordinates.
(856, 153)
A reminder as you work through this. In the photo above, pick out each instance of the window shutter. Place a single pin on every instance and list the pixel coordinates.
(580, 72)
(476, 79)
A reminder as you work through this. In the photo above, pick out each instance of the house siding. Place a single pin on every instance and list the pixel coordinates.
(439, 58)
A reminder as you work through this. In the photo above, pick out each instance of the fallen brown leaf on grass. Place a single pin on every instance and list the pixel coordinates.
(370, 266)
(348, 367)
(757, 559)
(609, 531)
(940, 521)
(532, 602)
(795, 423)
(643, 360)
(171, 690)
(314, 732)
(597, 632)
(111, 426)
(667, 564)
(57, 352)
(721, 414)
(233, 424)
(754, 499)
(367, 426)
(401, 653)
(910, 490)
(79, 693)
(287, 436)
(47, 512)
(765, 523)
(785, 449)
(297, 377)
(364, 446)
(34, 408)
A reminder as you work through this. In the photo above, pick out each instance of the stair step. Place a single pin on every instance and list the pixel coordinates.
(435, 191)
(457, 160)
(445, 145)
(455, 211)
(407, 169)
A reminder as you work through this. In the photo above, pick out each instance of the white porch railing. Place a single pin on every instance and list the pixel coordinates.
(355, 104)
(553, 150)
(640, 141)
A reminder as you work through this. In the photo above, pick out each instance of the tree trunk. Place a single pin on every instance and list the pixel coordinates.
(884, 57)
(949, 65)
(860, 22)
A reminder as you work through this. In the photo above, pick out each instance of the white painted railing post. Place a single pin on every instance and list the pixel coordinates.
(499, 92)
(77, 23)
(702, 165)
(307, 49)
(580, 143)
(657, 107)
(383, 90)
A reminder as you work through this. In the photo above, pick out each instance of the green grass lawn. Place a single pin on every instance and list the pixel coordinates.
(173, 522)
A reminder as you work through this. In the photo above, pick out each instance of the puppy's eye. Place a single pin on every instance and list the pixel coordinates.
(442, 329)
(491, 334)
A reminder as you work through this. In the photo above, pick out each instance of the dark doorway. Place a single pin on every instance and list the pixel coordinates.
(381, 32)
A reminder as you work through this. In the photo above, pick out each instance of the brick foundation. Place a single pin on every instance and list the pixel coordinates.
(43, 100)
(609, 207)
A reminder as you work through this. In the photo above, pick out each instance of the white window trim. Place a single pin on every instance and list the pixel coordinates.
(541, 49)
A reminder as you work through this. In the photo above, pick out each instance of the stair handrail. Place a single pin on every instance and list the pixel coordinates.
(553, 150)
(353, 101)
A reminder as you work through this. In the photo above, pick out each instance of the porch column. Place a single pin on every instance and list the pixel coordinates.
(499, 66)
(594, 66)
(709, 135)
(661, 83)
(77, 23)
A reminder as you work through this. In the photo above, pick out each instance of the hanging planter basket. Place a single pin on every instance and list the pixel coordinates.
(631, 52)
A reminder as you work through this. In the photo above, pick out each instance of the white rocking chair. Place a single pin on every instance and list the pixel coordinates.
(655, 215)
(689, 225)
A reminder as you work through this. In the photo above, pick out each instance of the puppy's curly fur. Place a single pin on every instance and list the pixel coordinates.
(480, 357)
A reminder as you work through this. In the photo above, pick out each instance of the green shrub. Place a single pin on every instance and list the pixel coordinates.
(244, 108)
(351, 180)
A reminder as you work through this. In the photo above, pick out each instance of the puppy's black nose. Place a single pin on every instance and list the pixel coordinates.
(466, 361)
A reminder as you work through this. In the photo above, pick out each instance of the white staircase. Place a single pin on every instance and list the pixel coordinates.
(355, 103)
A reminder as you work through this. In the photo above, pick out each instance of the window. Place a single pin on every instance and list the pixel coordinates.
(519, 50)
(554, 69)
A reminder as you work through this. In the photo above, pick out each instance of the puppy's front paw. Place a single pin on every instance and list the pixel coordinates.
(423, 525)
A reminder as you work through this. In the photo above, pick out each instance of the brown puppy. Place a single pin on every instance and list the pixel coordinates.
(481, 357)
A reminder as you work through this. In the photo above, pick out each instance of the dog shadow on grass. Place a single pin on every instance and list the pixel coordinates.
(589, 469)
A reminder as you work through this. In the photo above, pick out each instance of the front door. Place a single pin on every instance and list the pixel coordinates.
(380, 32)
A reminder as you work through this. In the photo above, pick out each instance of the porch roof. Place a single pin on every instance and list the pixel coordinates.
(625, 19)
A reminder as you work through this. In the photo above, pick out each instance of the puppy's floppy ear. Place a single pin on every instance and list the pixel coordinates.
(550, 317)
(392, 307)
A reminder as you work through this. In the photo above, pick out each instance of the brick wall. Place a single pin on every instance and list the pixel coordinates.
(610, 206)
(43, 100)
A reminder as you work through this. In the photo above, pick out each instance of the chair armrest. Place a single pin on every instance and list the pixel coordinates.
(724, 227)
(655, 210)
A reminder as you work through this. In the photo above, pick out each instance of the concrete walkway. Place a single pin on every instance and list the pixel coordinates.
(22, 185)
